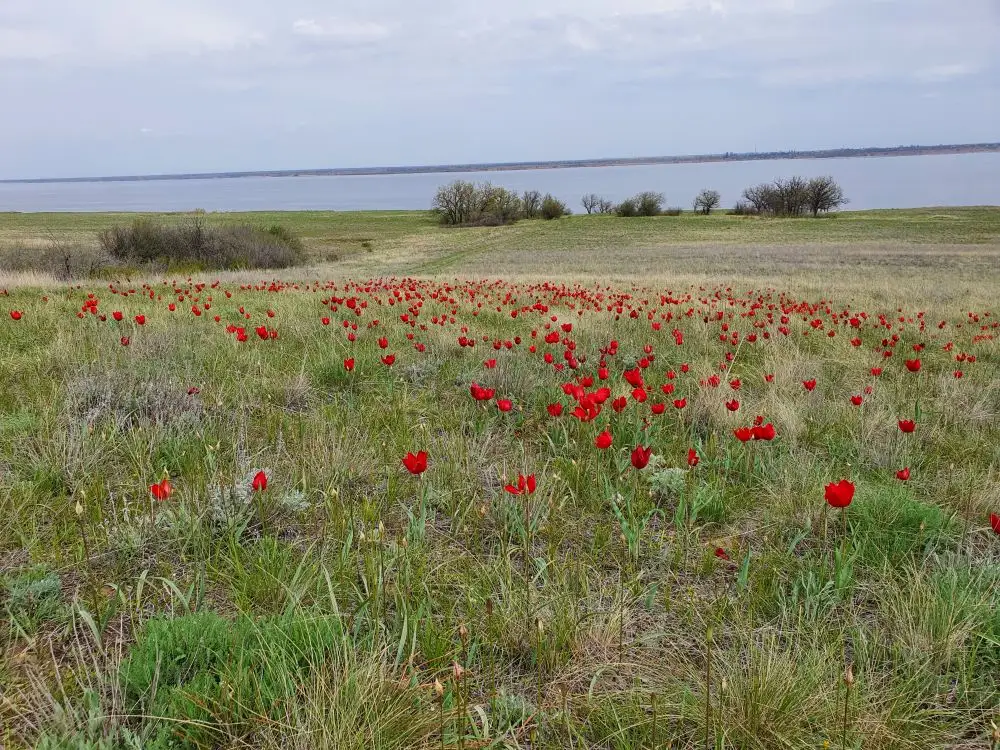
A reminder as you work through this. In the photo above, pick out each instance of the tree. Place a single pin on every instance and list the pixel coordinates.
(531, 204)
(553, 208)
(604, 206)
(627, 208)
(706, 200)
(456, 203)
(498, 205)
(591, 202)
(649, 203)
(824, 194)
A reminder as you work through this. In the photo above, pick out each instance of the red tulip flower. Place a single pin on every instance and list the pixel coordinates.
(505, 404)
(907, 425)
(416, 463)
(809, 384)
(525, 485)
(743, 434)
(995, 522)
(764, 432)
(903, 474)
(680, 403)
(140, 320)
(388, 360)
(259, 483)
(117, 315)
(640, 457)
(349, 364)
(692, 457)
(603, 441)
(722, 554)
(839, 494)
(913, 365)
(161, 490)
(125, 341)
(555, 410)
(15, 314)
(856, 400)
(733, 405)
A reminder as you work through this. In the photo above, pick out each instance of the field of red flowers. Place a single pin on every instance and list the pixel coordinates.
(424, 513)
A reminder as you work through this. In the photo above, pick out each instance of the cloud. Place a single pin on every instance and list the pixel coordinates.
(340, 30)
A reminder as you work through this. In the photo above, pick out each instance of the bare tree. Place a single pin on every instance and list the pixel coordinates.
(456, 203)
(824, 194)
(706, 200)
(604, 206)
(590, 202)
(531, 204)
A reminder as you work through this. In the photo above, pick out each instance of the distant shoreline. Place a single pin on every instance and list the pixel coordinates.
(729, 156)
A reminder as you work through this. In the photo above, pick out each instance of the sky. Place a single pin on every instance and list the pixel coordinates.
(112, 87)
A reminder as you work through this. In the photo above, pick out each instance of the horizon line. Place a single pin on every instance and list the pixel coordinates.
(830, 153)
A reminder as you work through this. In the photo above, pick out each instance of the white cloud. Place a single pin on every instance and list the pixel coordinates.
(340, 30)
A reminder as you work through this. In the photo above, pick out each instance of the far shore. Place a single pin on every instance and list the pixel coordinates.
(728, 156)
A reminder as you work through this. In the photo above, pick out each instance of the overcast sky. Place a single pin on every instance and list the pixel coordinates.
(149, 86)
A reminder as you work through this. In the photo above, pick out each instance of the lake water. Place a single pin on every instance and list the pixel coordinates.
(874, 182)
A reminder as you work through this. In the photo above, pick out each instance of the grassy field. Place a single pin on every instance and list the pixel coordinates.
(209, 535)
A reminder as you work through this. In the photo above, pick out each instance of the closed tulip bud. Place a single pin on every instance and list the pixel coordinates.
(438, 688)
(540, 625)
(404, 543)
(457, 670)
(849, 675)
(463, 633)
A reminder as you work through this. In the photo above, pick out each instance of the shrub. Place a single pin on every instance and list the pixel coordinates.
(743, 208)
(455, 203)
(197, 245)
(463, 203)
(63, 260)
(644, 204)
(553, 208)
(672, 211)
(649, 203)
(627, 208)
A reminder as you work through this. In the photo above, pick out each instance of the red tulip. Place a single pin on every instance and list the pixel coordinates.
(913, 365)
(809, 384)
(416, 464)
(388, 360)
(15, 314)
(619, 403)
(692, 457)
(259, 483)
(640, 456)
(995, 522)
(525, 485)
(161, 490)
(383, 343)
(722, 554)
(505, 404)
(603, 441)
(680, 403)
(856, 400)
(903, 474)
(658, 408)
(194, 390)
(555, 410)
(733, 405)
(349, 364)
(262, 332)
(764, 432)
(907, 425)
(743, 434)
(140, 319)
(839, 494)
(117, 315)
(125, 341)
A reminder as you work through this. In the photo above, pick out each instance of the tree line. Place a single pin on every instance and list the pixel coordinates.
(463, 203)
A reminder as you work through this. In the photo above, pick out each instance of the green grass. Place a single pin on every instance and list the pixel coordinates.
(354, 605)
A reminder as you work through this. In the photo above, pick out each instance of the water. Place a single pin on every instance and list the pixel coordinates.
(874, 182)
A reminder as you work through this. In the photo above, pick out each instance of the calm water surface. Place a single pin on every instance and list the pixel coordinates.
(876, 182)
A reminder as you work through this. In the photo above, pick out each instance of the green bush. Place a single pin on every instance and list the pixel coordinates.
(553, 208)
(196, 246)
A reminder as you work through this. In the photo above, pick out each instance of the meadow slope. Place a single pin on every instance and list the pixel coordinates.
(217, 528)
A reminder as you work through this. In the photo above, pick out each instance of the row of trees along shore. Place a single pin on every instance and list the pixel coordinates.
(463, 203)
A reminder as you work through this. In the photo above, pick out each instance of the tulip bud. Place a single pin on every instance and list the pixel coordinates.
(540, 625)
(463, 632)
(849, 675)
(438, 688)
(457, 670)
